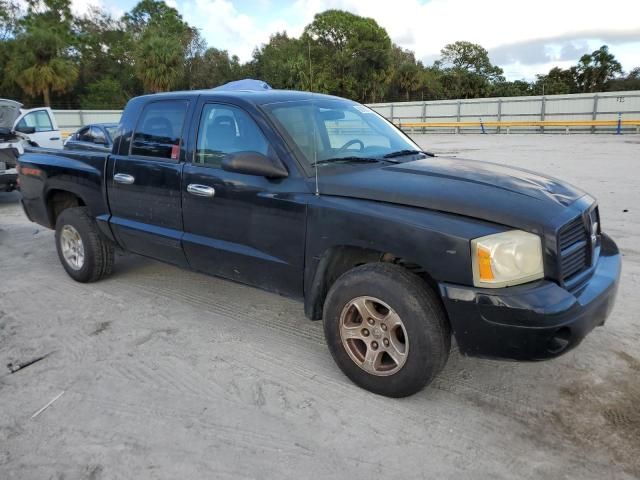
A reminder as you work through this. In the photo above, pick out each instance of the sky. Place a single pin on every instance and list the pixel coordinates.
(524, 38)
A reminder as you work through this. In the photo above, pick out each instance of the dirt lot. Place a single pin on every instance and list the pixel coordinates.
(172, 374)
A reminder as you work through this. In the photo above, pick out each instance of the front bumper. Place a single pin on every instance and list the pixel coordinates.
(8, 180)
(534, 321)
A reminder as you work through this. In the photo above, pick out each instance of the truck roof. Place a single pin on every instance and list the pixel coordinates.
(257, 97)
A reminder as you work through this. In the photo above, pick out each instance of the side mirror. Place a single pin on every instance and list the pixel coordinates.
(26, 130)
(254, 163)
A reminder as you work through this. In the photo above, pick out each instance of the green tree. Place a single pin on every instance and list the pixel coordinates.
(9, 26)
(106, 52)
(164, 45)
(432, 87)
(517, 88)
(157, 16)
(41, 62)
(284, 62)
(212, 68)
(352, 54)
(9, 17)
(557, 82)
(406, 74)
(467, 71)
(159, 63)
(595, 70)
(470, 57)
(629, 82)
(106, 93)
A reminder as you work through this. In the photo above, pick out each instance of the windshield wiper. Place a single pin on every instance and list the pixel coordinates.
(351, 160)
(402, 153)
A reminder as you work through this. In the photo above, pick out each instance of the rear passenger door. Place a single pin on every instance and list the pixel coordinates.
(244, 227)
(144, 191)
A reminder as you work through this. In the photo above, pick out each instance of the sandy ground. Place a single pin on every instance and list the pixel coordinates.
(171, 374)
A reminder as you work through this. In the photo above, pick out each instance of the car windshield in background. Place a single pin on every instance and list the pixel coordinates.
(326, 131)
(111, 130)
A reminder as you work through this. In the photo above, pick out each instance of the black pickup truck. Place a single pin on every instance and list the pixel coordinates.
(320, 198)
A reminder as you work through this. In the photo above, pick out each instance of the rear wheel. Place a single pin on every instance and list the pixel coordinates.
(386, 329)
(83, 251)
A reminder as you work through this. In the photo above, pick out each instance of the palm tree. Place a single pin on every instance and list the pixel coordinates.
(39, 66)
(159, 62)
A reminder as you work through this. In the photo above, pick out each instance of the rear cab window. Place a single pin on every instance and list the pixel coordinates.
(158, 131)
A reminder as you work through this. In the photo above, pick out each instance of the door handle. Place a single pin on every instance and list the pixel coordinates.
(54, 138)
(200, 190)
(123, 178)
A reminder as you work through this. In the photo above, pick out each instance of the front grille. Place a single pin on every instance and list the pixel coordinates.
(574, 248)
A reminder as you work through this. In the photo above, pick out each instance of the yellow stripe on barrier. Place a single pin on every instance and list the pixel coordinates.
(523, 123)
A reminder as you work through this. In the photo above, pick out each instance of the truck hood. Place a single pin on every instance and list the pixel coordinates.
(9, 112)
(505, 195)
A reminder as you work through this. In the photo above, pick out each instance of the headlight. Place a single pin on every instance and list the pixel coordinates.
(507, 258)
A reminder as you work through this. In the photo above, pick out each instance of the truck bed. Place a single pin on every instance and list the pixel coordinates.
(46, 171)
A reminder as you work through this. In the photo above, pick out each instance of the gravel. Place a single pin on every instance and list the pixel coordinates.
(172, 374)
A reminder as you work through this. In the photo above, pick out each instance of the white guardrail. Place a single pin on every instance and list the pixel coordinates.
(585, 112)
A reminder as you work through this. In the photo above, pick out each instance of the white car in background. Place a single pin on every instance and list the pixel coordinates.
(19, 128)
(40, 125)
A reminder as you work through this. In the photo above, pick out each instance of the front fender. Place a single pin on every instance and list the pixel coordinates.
(435, 241)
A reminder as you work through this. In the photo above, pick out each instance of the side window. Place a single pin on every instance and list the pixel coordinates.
(84, 135)
(159, 129)
(226, 129)
(298, 122)
(39, 119)
(98, 136)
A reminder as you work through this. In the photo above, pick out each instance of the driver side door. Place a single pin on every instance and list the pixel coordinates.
(246, 228)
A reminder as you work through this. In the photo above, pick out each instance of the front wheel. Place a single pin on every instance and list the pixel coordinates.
(85, 254)
(386, 329)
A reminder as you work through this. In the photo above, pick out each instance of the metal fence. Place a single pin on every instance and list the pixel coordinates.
(469, 116)
(462, 116)
(71, 120)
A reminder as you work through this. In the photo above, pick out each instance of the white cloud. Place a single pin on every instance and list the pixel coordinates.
(83, 7)
(227, 28)
(422, 27)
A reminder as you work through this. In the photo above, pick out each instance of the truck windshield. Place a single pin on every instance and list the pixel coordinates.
(327, 131)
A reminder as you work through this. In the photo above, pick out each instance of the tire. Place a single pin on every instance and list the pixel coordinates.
(96, 251)
(415, 349)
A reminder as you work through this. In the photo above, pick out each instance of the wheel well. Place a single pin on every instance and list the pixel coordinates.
(339, 260)
(59, 200)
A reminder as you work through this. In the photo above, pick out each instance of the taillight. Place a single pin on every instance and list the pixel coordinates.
(34, 172)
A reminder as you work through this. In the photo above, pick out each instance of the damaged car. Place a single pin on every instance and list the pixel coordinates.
(12, 144)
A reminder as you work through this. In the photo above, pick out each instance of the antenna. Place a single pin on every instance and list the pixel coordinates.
(310, 69)
(315, 150)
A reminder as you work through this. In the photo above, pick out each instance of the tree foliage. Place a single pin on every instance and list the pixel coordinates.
(106, 93)
(285, 62)
(50, 56)
(42, 62)
(351, 54)
(594, 71)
